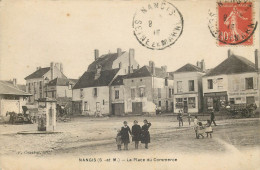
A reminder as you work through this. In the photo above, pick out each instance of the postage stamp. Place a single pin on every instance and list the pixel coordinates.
(235, 23)
(157, 25)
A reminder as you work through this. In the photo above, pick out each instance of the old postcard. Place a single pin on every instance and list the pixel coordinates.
(153, 84)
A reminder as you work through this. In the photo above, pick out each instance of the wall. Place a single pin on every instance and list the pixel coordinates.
(197, 93)
(215, 84)
(238, 80)
(103, 95)
(63, 91)
(121, 94)
(11, 105)
(151, 99)
(147, 100)
(124, 59)
(35, 94)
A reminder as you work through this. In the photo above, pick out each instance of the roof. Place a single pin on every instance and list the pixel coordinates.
(7, 88)
(106, 61)
(88, 79)
(118, 80)
(145, 71)
(233, 65)
(38, 73)
(188, 68)
(19, 86)
(61, 82)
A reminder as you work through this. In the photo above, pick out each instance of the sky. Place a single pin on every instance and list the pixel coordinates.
(34, 33)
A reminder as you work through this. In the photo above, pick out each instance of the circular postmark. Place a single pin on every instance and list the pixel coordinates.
(233, 24)
(157, 25)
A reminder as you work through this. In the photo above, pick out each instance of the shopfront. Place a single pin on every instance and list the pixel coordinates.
(216, 101)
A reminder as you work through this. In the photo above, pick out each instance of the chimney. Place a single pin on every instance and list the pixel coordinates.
(152, 67)
(96, 53)
(52, 70)
(198, 64)
(202, 64)
(119, 51)
(14, 81)
(164, 68)
(257, 60)
(98, 71)
(229, 53)
(131, 56)
(61, 67)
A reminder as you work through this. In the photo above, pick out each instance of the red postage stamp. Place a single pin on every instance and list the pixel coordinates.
(235, 23)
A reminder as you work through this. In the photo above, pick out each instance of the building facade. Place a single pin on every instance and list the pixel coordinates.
(37, 81)
(148, 88)
(11, 98)
(188, 88)
(234, 81)
(92, 94)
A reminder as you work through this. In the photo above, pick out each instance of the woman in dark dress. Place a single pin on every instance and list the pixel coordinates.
(125, 130)
(136, 132)
(145, 133)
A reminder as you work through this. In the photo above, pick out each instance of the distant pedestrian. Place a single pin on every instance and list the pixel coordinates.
(196, 125)
(125, 130)
(119, 139)
(212, 118)
(189, 118)
(136, 133)
(208, 129)
(145, 133)
(179, 118)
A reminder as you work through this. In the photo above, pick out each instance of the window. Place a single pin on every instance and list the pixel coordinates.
(179, 103)
(34, 87)
(249, 83)
(40, 94)
(53, 94)
(159, 93)
(220, 83)
(116, 94)
(141, 90)
(166, 82)
(86, 106)
(170, 93)
(70, 86)
(231, 100)
(179, 86)
(95, 92)
(132, 93)
(81, 93)
(40, 85)
(210, 84)
(191, 85)
(191, 102)
(160, 103)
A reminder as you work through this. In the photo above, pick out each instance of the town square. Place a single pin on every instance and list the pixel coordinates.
(129, 84)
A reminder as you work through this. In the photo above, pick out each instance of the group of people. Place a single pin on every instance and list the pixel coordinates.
(180, 118)
(201, 129)
(137, 133)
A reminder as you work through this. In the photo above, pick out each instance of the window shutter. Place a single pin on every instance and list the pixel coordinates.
(242, 83)
(97, 91)
(255, 82)
(93, 92)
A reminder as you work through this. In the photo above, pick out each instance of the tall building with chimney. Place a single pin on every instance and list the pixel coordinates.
(36, 83)
(188, 95)
(146, 89)
(234, 81)
(91, 94)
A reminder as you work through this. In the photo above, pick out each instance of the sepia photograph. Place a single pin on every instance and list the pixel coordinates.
(128, 84)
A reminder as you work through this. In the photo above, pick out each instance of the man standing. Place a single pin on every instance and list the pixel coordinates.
(212, 118)
(179, 117)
